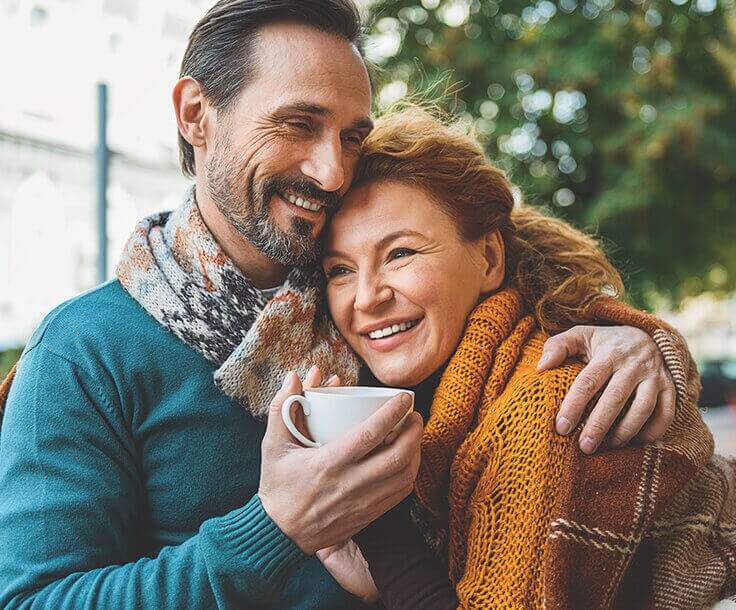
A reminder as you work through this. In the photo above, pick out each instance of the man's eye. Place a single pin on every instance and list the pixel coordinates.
(302, 125)
(401, 253)
(354, 139)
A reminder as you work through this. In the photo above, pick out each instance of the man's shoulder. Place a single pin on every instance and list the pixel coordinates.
(103, 318)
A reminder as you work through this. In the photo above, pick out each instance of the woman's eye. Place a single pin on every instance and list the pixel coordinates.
(401, 253)
(336, 271)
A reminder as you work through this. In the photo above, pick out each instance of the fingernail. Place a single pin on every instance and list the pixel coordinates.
(542, 361)
(587, 445)
(287, 379)
(563, 425)
(405, 399)
(331, 379)
(313, 369)
(615, 442)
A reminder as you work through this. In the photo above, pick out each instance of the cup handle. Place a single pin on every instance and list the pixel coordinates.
(286, 416)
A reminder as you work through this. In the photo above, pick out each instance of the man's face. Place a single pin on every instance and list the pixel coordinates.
(285, 151)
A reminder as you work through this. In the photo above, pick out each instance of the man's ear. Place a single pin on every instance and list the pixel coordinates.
(495, 258)
(191, 109)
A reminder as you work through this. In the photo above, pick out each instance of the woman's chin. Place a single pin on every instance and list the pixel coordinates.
(399, 379)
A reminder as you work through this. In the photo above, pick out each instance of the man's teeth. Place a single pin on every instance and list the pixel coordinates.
(304, 203)
(392, 330)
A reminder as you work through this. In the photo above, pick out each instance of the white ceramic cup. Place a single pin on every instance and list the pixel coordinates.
(332, 411)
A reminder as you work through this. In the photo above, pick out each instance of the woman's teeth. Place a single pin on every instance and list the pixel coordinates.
(304, 203)
(392, 330)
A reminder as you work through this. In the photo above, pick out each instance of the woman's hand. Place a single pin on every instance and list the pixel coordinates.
(346, 564)
(629, 362)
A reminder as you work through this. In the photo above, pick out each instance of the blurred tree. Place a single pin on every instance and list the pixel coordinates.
(8, 358)
(619, 115)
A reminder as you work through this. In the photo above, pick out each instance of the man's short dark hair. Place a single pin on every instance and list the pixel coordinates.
(219, 53)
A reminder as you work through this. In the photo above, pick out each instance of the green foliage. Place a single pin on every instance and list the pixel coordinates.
(621, 115)
(7, 359)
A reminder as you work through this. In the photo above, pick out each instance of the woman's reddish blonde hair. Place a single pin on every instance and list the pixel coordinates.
(558, 270)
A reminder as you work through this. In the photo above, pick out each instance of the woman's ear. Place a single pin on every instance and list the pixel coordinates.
(495, 258)
(190, 108)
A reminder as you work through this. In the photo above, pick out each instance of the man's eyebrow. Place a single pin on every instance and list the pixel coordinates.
(316, 109)
(381, 243)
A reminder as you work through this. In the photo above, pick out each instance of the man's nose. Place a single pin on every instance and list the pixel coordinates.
(325, 165)
(371, 293)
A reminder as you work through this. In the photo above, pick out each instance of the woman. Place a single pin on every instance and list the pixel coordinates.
(438, 282)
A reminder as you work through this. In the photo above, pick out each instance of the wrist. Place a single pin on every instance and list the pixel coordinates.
(285, 522)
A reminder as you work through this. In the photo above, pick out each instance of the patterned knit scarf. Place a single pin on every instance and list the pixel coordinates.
(175, 269)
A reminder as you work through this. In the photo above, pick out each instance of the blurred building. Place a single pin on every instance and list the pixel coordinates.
(47, 139)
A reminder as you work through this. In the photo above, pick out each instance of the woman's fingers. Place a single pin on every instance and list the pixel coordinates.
(637, 415)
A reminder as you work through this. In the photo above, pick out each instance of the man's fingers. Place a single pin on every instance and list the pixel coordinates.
(581, 392)
(559, 348)
(371, 433)
(639, 412)
(313, 378)
(334, 380)
(276, 431)
(605, 412)
(664, 414)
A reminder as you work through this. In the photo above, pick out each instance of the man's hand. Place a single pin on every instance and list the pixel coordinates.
(348, 567)
(629, 362)
(321, 497)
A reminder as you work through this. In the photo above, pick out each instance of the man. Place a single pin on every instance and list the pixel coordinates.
(136, 468)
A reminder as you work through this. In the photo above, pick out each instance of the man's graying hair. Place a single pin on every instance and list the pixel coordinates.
(219, 54)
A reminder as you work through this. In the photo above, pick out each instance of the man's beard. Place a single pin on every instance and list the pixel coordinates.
(247, 207)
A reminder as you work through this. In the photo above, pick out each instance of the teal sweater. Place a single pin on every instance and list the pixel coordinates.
(128, 480)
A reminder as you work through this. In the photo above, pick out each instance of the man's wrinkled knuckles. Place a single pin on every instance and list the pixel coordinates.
(624, 433)
(368, 438)
(396, 462)
(616, 396)
(595, 428)
(589, 381)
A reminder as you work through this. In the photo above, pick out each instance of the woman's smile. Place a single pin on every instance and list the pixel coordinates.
(392, 335)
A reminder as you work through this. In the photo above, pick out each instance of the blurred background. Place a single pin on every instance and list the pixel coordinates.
(617, 115)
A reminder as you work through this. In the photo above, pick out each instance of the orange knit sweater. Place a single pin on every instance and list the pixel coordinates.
(498, 411)
(532, 521)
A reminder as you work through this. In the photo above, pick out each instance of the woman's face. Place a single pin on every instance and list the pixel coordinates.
(401, 281)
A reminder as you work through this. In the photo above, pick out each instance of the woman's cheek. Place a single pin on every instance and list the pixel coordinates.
(339, 304)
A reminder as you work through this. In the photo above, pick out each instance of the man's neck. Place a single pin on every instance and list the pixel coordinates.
(261, 270)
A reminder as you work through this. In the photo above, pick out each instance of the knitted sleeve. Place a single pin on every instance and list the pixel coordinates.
(70, 512)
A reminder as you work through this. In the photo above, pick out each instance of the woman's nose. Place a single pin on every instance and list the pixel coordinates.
(371, 293)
